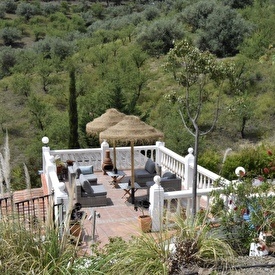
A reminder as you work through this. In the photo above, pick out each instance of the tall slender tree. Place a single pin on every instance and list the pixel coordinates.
(73, 115)
(197, 73)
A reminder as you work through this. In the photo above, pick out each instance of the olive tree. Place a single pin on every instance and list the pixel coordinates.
(224, 30)
(10, 35)
(197, 73)
(158, 37)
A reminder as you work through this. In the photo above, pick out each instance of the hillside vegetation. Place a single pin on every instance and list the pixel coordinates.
(118, 51)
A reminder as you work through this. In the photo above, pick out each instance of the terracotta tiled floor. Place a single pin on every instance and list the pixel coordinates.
(117, 219)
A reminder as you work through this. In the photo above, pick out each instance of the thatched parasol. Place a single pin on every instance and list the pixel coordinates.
(131, 129)
(109, 118)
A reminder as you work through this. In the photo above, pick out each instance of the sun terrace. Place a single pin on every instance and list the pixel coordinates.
(160, 202)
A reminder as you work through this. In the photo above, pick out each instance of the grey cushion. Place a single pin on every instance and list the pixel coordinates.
(85, 184)
(99, 190)
(141, 173)
(169, 175)
(86, 169)
(150, 166)
(92, 178)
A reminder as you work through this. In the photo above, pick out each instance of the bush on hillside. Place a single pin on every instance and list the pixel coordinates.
(237, 4)
(158, 38)
(253, 159)
(10, 6)
(10, 35)
(223, 32)
(27, 10)
(196, 15)
(7, 61)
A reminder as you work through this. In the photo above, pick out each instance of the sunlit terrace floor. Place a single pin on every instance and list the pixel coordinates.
(117, 219)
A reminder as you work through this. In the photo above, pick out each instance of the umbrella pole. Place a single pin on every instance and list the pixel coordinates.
(115, 169)
(132, 174)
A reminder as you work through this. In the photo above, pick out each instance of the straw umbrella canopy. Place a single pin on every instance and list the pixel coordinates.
(108, 119)
(131, 129)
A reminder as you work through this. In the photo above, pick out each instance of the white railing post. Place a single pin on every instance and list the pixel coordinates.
(45, 149)
(156, 199)
(158, 151)
(188, 177)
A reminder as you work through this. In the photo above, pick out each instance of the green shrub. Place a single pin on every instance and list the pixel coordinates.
(10, 6)
(223, 32)
(27, 10)
(211, 160)
(158, 38)
(10, 35)
(253, 159)
(195, 15)
(7, 61)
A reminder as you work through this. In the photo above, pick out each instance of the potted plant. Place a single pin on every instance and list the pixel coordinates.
(75, 221)
(145, 221)
(60, 165)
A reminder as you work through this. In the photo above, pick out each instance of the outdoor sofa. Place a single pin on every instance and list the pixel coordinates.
(147, 173)
(169, 182)
(87, 191)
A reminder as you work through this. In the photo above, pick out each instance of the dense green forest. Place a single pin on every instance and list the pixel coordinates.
(116, 52)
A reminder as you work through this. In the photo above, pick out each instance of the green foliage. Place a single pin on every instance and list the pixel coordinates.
(159, 37)
(211, 160)
(196, 14)
(27, 10)
(21, 85)
(22, 251)
(198, 243)
(253, 158)
(111, 73)
(10, 35)
(244, 208)
(10, 6)
(146, 255)
(223, 32)
(54, 48)
(2, 11)
(49, 8)
(7, 61)
(73, 113)
(237, 4)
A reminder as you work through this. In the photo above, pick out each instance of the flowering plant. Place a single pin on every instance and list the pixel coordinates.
(269, 169)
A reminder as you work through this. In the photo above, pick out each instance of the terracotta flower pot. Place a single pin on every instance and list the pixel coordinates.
(145, 223)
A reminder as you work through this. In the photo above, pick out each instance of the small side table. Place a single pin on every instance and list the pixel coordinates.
(127, 189)
(116, 177)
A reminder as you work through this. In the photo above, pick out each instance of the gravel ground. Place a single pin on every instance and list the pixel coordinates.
(261, 266)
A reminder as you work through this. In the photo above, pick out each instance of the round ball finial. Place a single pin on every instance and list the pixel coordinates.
(157, 180)
(190, 150)
(45, 140)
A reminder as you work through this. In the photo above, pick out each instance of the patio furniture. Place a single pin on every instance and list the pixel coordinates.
(90, 194)
(127, 189)
(169, 182)
(147, 174)
(116, 177)
(76, 170)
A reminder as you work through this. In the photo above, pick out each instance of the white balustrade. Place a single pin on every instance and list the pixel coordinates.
(167, 159)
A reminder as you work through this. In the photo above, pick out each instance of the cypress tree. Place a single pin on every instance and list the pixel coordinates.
(73, 115)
